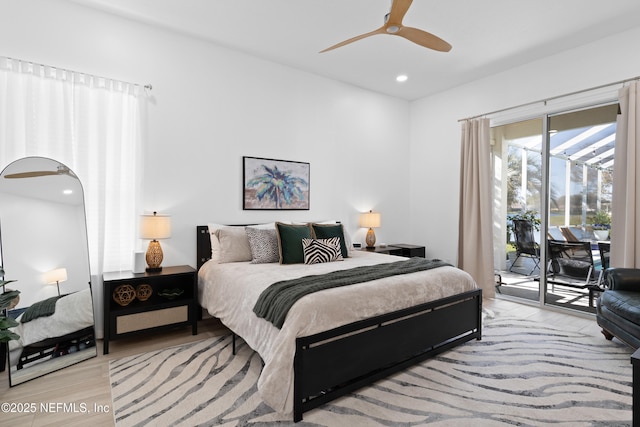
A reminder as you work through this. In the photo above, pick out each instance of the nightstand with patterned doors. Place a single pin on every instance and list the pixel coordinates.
(135, 303)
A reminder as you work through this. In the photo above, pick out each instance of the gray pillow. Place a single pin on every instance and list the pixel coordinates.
(234, 244)
(263, 244)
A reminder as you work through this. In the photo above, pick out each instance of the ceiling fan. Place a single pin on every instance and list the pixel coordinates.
(61, 170)
(393, 25)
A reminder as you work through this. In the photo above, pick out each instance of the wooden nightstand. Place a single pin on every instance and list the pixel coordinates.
(173, 302)
(400, 249)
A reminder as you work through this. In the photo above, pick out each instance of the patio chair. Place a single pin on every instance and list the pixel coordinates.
(569, 234)
(576, 234)
(525, 243)
(570, 264)
(604, 248)
(555, 233)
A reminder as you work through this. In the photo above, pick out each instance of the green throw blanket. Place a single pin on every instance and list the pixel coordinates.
(275, 301)
(42, 308)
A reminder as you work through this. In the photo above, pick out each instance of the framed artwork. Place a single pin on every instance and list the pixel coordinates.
(271, 184)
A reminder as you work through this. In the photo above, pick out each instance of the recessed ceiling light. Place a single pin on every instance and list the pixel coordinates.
(402, 78)
(68, 191)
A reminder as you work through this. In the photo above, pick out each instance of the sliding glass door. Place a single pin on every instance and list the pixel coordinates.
(518, 181)
(553, 184)
(581, 148)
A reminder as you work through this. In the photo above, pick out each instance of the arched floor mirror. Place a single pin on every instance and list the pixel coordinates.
(43, 246)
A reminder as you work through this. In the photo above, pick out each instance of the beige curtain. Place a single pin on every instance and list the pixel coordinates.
(625, 239)
(475, 238)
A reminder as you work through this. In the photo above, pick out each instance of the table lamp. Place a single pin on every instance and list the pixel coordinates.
(56, 276)
(155, 227)
(370, 220)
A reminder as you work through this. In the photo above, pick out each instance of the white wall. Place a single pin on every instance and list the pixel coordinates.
(435, 130)
(210, 106)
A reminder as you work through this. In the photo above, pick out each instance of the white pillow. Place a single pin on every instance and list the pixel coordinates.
(265, 226)
(215, 242)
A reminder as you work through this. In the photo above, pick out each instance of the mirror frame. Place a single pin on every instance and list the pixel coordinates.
(47, 352)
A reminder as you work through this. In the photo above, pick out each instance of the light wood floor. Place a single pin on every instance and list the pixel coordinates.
(87, 383)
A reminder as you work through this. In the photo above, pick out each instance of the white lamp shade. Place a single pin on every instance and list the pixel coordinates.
(154, 227)
(55, 276)
(370, 220)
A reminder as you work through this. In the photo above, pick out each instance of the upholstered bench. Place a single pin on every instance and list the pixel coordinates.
(618, 308)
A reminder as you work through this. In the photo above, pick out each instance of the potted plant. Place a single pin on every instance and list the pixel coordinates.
(601, 224)
(6, 300)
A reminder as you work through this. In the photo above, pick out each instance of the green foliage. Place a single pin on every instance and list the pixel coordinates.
(601, 220)
(6, 298)
(6, 322)
(5, 334)
(531, 216)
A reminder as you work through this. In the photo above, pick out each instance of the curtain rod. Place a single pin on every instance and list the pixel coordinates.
(553, 98)
(148, 86)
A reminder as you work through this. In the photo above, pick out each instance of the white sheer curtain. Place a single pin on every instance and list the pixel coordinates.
(475, 238)
(625, 236)
(94, 126)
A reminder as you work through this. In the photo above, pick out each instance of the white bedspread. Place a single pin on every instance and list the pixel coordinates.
(73, 313)
(229, 292)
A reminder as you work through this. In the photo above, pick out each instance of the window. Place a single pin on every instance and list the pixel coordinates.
(90, 124)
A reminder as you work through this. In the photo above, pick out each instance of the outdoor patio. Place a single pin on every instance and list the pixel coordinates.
(519, 284)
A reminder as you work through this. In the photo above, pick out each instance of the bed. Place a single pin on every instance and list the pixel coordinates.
(71, 321)
(341, 339)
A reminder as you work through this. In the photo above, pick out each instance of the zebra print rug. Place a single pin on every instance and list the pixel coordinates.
(520, 373)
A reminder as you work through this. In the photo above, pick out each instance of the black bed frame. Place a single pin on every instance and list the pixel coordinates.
(333, 363)
(47, 347)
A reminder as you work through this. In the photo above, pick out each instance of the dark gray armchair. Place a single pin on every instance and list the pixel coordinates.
(618, 308)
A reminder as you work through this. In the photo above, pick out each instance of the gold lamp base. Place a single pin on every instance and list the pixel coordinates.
(371, 239)
(154, 257)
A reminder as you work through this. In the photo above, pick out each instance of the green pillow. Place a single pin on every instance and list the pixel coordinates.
(290, 242)
(327, 231)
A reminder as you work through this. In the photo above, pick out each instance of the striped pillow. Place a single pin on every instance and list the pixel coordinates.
(321, 250)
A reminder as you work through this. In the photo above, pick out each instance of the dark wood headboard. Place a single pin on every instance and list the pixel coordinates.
(203, 245)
